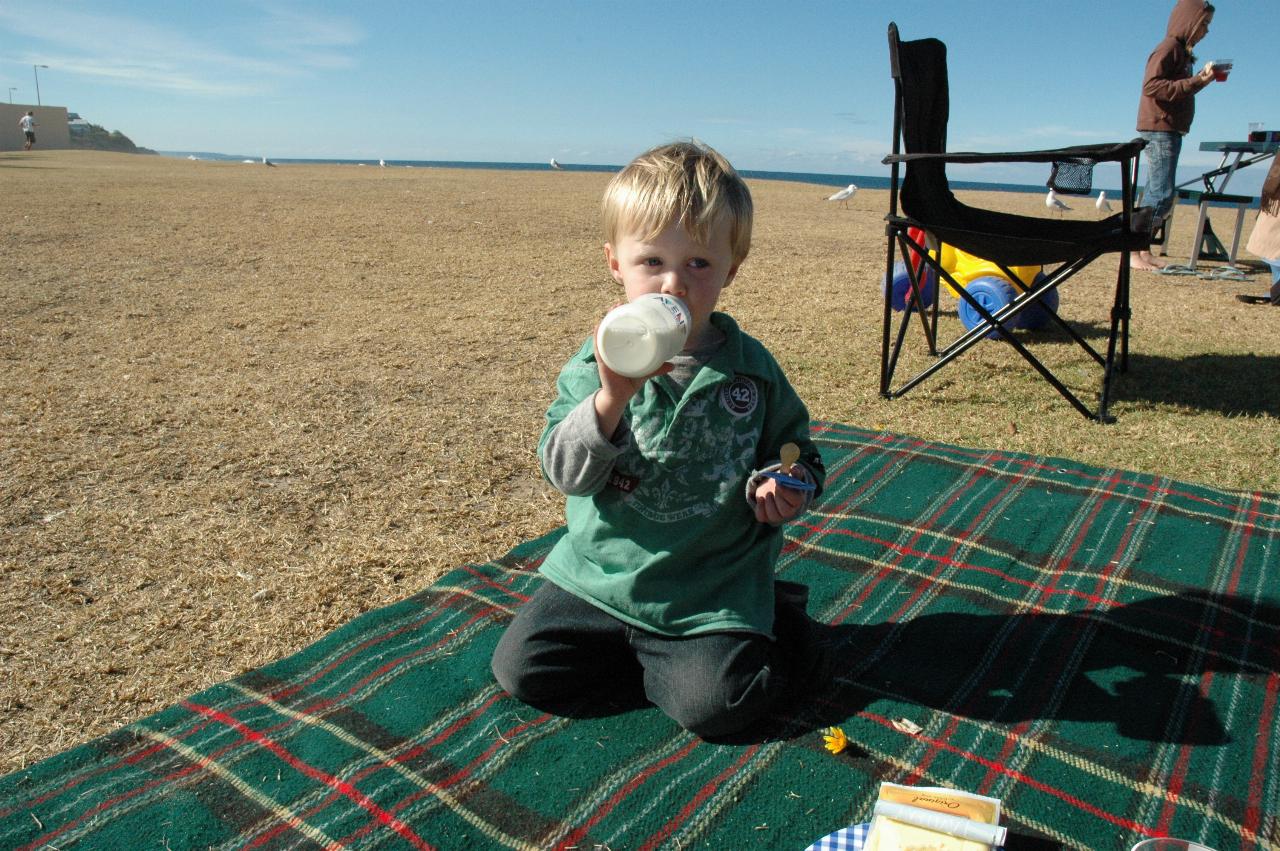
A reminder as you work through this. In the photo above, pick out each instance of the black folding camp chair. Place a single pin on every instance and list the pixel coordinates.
(928, 205)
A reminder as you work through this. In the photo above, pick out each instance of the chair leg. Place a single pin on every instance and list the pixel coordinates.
(1126, 312)
(890, 351)
(1119, 335)
(915, 297)
(886, 372)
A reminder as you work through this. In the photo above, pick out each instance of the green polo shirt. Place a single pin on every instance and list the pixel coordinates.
(669, 543)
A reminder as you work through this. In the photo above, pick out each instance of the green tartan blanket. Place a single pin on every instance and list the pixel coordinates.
(1097, 648)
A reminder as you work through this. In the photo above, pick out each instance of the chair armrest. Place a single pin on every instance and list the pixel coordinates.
(1113, 152)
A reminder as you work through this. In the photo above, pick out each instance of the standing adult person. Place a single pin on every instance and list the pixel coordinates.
(1167, 107)
(28, 125)
(1265, 239)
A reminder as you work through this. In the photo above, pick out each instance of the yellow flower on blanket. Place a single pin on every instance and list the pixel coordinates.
(834, 739)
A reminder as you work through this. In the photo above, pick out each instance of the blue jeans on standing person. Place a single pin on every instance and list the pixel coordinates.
(1162, 152)
(563, 655)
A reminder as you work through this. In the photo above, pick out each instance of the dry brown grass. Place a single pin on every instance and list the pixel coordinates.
(241, 405)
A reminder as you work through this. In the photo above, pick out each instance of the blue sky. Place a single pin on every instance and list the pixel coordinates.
(799, 86)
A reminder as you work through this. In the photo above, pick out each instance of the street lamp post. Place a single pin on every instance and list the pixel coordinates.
(37, 76)
(12, 89)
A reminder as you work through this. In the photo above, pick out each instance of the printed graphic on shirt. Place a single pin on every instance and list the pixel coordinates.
(740, 396)
(693, 465)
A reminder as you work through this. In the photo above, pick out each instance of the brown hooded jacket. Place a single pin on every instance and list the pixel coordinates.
(1169, 85)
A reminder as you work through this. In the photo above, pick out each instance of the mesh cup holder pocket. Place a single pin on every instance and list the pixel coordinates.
(1072, 177)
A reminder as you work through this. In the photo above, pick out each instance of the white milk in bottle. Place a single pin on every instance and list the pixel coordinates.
(636, 338)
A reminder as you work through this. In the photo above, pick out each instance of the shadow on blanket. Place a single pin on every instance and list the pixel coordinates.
(1131, 666)
(1127, 666)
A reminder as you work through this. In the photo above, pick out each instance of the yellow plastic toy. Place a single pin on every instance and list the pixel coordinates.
(965, 267)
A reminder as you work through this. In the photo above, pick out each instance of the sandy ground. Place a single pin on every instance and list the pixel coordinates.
(240, 405)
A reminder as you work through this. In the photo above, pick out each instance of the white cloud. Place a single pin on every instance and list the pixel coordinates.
(269, 50)
(154, 77)
(308, 39)
(1061, 131)
(1047, 136)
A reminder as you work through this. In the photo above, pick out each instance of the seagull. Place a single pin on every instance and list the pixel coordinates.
(554, 164)
(382, 163)
(1102, 203)
(844, 195)
(1054, 203)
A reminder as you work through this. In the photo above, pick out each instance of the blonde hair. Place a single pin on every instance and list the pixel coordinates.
(686, 182)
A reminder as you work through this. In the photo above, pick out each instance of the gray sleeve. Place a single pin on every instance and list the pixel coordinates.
(576, 458)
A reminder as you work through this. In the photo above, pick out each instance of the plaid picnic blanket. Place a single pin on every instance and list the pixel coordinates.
(1095, 647)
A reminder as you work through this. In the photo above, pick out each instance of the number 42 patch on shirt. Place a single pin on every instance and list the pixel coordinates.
(740, 396)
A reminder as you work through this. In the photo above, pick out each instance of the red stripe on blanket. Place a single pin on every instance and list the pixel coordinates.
(1179, 777)
(457, 776)
(630, 786)
(1253, 810)
(351, 792)
(46, 840)
(962, 565)
(885, 441)
(372, 642)
(696, 801)
(1028, 780)
(1044, 681)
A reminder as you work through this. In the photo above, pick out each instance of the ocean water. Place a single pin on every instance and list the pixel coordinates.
(863, 181)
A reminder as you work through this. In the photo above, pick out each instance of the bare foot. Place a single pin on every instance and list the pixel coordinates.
(1145, 261)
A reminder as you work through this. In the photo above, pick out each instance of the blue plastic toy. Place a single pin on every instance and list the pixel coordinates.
(1036, 316)
(902, 286)
(992, 293)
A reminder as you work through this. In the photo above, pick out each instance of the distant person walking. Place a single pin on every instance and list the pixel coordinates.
(1167, 107)
(28, 125)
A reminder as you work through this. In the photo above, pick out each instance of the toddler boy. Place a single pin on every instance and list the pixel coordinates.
(663, 588)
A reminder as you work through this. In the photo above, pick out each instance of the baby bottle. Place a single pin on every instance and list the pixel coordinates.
(636, 338)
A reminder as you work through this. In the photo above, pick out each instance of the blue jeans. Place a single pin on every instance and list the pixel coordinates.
(1162, 152)
(562, 655)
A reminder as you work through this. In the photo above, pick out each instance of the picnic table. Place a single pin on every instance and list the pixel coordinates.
(1213, 189)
